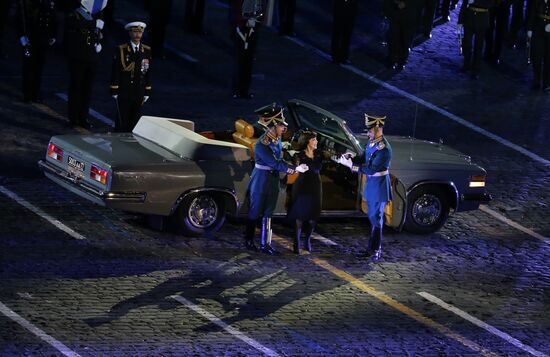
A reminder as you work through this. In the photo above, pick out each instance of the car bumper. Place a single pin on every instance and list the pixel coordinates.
(471, 201)
(91, 193)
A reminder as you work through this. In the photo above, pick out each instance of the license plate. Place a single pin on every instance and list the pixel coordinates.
(75, 164)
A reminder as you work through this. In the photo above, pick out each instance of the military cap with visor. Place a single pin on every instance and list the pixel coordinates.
(372, 121)
(271, 115)
(137, 26)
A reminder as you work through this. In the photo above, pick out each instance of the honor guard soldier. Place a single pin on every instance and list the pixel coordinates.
(344, 14)
(287, 9)
(538, 31)
(263, 188)
(37, 27)
(499, 16)
(377, 190)
(82, 39)
(402, 16)
(474, 16)
(130, 79)
(245, 20)
(194, 16)
(5, 6)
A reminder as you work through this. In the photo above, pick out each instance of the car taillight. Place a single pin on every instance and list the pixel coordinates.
(55, 152)
(477, 181)
(98, 174)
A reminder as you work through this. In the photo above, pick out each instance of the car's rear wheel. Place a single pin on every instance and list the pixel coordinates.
(200, 214)
(427, 209)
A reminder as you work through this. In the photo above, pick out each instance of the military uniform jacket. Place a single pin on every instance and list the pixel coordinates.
(378, 155)
(268, 153)
(539, 17)
(131, 73)
(466, 15)
(393, 12)
(36, 19)
(81, 36)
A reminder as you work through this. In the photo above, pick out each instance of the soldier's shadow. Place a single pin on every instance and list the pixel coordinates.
(242, 293)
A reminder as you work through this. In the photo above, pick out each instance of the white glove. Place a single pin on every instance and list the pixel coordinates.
(99, 24)
(302, 168)
(24, 41)
(51, 41)
(529, 34)
(285, 145)
(342, 160)
(98, 48)
(145, 98)
(115, 96)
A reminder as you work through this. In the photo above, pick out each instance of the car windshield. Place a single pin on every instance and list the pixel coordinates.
(322, 123)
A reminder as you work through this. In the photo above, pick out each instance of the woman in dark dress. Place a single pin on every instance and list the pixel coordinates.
(307, 190)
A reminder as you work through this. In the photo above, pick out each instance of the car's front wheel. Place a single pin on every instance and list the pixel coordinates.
(427, 209)
(200, 214)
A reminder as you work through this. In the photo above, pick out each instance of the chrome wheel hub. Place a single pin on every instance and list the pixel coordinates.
(426, 210)
(203, 211)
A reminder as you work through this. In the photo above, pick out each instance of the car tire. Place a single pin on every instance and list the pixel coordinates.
(427, 209)
(200, 214)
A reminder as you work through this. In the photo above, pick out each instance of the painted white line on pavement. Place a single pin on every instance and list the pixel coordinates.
(57, 223)
(427, 104)
(511, 223)
(66, 351)
(322, 239)
(481, 324)
(233, 331)
(97, 115)
(180, 54)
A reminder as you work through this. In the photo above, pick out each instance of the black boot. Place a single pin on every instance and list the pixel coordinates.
(310, 230)
(372, 241)
(378, 245)
(249, 234)
(297, 237)
(265, 244)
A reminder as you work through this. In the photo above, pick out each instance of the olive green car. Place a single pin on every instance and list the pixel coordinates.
(164, 169)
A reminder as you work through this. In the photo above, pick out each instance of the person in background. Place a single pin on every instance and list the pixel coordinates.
(287, 9)
(538, 31)
(37, 28)
(159, 17)
(344, 14)
(193, 16)
(263, 188)
(131, 77)
(402, 17)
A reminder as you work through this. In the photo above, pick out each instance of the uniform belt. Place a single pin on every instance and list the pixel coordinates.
(544, 17)
(380, 173)
(478, 9)
(263, 167)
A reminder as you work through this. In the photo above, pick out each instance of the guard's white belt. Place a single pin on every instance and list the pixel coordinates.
(263, 167)
(380, 173)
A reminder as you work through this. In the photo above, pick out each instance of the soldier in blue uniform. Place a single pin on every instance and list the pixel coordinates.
(377, 191)
(263, 188)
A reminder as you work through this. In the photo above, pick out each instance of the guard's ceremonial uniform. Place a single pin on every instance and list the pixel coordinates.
(131, 81)
(474, 16)
(82, 40)
(377, 190)
(263, 188)
(499, 16)
(538, 21)
(37, 22)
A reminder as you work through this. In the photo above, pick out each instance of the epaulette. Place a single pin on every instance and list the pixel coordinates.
(266, 140)
(380, 145)
(146, 47)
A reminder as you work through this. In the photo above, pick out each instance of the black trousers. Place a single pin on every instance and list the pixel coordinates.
(498, 26)
(401, 33)
(33, 66)
(129, 112)
(540, 57)
(517, 21)
(475, 28)
(426, 14)
(287, 9)
(82, 74)
(341, 35)
(193, 16)
(244, 60)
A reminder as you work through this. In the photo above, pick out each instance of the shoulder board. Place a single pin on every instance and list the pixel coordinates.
(266, 140)
(146, 47)
(380, 145)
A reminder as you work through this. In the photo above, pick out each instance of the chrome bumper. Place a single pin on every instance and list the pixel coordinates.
(78, 186)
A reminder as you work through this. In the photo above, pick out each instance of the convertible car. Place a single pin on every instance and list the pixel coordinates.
(169, 172)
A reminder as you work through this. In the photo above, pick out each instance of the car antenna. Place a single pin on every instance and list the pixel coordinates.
(414, 125)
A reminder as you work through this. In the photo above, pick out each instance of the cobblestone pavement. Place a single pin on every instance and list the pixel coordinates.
(128, 290)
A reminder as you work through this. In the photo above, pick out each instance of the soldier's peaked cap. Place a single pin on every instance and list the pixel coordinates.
(372, 121)
(135, 26)
(271, 114)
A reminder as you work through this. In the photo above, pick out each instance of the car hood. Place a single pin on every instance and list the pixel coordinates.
(422, 151)
(115, 149)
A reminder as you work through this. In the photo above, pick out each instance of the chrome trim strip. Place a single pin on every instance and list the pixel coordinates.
(448, 183)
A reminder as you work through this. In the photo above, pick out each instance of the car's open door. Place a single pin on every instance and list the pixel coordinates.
(395, 211)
